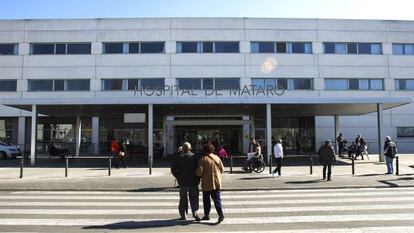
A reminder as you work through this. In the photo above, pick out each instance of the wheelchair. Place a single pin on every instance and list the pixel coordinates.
(256, 164)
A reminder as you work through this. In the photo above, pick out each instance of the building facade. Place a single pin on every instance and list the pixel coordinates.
(224, 79)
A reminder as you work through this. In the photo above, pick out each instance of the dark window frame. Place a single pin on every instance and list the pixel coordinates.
(66, 50)
(15, 49)
(3, 83)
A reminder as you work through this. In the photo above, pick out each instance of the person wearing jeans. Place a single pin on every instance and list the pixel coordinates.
(390, 151)
(209, 169)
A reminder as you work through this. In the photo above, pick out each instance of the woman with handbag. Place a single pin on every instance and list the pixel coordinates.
(122, 153)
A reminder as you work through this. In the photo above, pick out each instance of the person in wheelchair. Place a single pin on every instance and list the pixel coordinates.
(255, 153)
(351, 150)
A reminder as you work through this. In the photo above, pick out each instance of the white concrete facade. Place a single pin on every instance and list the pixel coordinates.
(244, 65)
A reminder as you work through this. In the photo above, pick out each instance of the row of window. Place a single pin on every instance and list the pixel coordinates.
(207, 47)
(207, 83)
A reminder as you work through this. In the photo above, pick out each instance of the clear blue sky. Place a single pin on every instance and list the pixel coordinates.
(352, 9)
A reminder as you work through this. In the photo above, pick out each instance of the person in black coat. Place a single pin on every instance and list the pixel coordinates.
(327, 158)
(183, 169)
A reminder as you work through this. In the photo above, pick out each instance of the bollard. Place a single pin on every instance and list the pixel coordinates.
(311, 164)
(231, 164)
(397, 165)
(353, 165)
(270, 164)
(21, 166)
(66, 165)
(109, 164)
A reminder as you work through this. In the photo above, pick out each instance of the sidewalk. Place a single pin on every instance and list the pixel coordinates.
(368, 173)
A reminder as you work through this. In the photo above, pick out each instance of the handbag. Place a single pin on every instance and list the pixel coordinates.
(121, 154)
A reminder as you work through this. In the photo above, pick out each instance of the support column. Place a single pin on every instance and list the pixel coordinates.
(269, 131)
(336, 126)
(150, 141)
(21, 135)
(380, 125)
(78, 135)
(95, 135)
(33, 135)
(246, 135)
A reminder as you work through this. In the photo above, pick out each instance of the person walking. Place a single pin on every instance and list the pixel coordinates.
(390, 151)
(278, 153)
(183, 169)
(326, 155)
(122, 154)
(360, 146)
(340, 142)
(209, 169)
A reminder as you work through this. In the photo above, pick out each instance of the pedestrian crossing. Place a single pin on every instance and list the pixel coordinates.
(265, 211)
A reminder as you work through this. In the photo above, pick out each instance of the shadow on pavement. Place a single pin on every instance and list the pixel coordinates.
(303, 182)
(256, 178)
(142, 225)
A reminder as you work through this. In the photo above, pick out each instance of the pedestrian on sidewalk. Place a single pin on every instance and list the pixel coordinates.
(209, 169)
(340, 142)
(278, 153)
(327, 158)
(183, 169)
(390, 151)
(122, 153)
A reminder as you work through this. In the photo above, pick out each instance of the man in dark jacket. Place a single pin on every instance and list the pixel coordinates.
(390, 151)
(183, 169)
(327, 158)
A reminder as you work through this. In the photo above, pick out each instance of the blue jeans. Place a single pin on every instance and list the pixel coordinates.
(389, 162)
(215, 195)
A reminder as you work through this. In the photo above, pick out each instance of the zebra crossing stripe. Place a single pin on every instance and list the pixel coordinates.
(227, 210)
(227, 221)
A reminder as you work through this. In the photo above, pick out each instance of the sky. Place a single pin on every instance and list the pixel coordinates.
(341, 9)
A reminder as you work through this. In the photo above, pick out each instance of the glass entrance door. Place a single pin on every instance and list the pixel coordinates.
(229, 137)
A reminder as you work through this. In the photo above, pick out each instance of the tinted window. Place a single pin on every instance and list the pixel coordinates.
(132, 84)
(302, 84)
(254, 47)
(226, 47)
(78, 85)
(409, 49)
(227, 83)
(281, 47)
(133, 48)
(113, 48)
(41, 85)
(43, 48)
(79, 48)
(258, 83)
(187, 47)
(364, 48)
(375, 48)
(363, 84)
(397, 49)
(353, 84)
(112, 84)
(282, 83)
(329, 47)
(8, 85)
(298, 48)
(352, 48)
(189, 83)
(375, 84)
(152, 47)
(153, 83)
(207, 47)
(336, 84)
(405, 131)
(340, 48)
(59, 85)
(208, 83)
(60, 48)
(8, 49)
(266, 47)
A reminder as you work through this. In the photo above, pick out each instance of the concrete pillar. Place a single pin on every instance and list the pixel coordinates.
(78, 135)
(269, 131)
(33, 135)
(21, 133)
(380, 125)
(246, 135)
(150, 141)
(336, 123)
(95, 135)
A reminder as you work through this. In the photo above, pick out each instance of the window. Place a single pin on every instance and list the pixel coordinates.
(133, 48)
(189, 83)
(8, 85)
(77, 85)
(111, 48)
(59, 85)
(352, 48)
(287, 84)
(112, 84)
(226, 47)
(404, 84)
(152, 83)
(281, 47)
(8, 49)
(403, 49)
(208, 83)
(208, 47)
(133, 84)
(403, 132)
(188, 47)
(227, 83)
(353, 84)
(61, 48)
(152, 47)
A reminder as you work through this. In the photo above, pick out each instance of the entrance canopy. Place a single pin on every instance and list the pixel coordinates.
(282, 106)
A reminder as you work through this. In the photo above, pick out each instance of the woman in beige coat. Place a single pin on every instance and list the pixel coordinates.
(209, 169)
